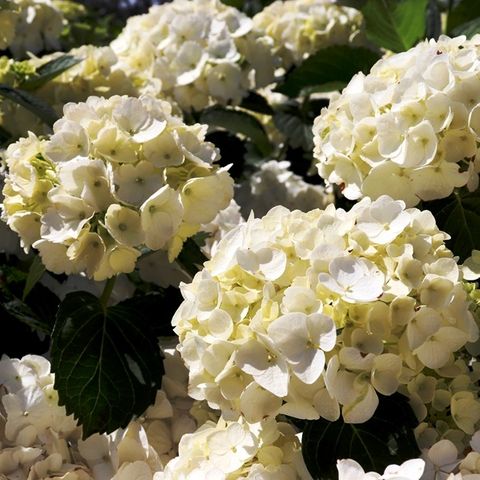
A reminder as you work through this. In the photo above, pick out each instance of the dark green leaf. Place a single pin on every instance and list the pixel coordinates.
(299, 134)
(44, 303)
(107, 363)
(200, 238)
(39, 308)
(49, 71)
(191, 257)
(5, 136)
(151, 304)
(238, 122)
(469, 29)
(22, 312)
(292, 123)
(434, 20)
(464, 12)
(238, 4)
(35, 272)
(325, 87)
(33, 104)
(232, 151)
(18, 338)
(337, 64)
(256, 103)
(395, 24)
(250, 7)
(385, 439)
(459, 215)
(358, 4)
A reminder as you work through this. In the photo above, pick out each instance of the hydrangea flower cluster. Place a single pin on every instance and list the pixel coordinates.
(313, 314)
(201, 50)
(116, 176)
(410, 128)
(30, 26)
(229, 450)
(40, 442)
(299, 28)
(446, 403)
(275, 184)
(98, 73)
(30, 415)
(446, 460)
(410, 470)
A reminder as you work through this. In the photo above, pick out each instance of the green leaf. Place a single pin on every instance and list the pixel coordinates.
(107, 362)
(299, 134)
(256, 103)
(238, 122)
(324, 88)
(238, 4)
(466, 11)
(250, 7)
(49, 71)
(469, 29)
(337, 64)
(191, 258)
(358, 4)
(292, 123)
(395, 24)
(434, 20)
(19, 310)
(150, 304)
(385, 439)
(459, 216)
(35, 273)
(33, 104)
(5, 136)
(232, 151)
(37, 310)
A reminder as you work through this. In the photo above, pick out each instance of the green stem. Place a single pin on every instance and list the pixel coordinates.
(107, 291)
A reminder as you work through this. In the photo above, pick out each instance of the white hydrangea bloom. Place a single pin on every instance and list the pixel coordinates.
(30, 26)
(299, 28)
(229, 450)
(471, 266)
(202, 51)
(98, 73)
(410, 470)
(440, 460)
(90, 201)
(447, 400)
(40, 442)
(313, 314)
(409, 128)
(275, 184)
(36, 431)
